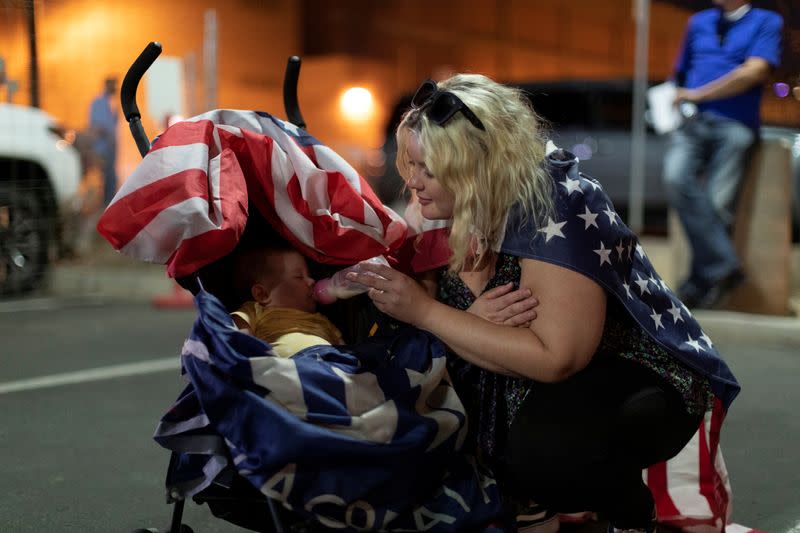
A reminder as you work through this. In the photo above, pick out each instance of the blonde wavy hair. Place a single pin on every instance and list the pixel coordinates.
(488, 172)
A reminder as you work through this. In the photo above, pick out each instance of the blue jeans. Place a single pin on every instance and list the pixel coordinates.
(108, 166)
(703, 169)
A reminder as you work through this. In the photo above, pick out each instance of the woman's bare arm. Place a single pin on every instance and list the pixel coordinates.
(560, 342)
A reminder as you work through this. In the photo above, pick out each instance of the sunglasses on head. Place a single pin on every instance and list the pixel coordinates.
(441, 106)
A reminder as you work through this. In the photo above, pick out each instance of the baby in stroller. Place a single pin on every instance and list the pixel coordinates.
(280, 307)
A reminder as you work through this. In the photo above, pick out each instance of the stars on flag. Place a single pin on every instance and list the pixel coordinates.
(595, 241)
(571, 185)
(611, 214)
(675, 311)
(705, 338)
(589, 218)
(553, 229)
(656, 319)
(620, 250)
(693, 343)
(604, 254)
(627, 289)
(642, 283)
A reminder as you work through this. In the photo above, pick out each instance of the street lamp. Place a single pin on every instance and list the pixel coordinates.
(356, 104)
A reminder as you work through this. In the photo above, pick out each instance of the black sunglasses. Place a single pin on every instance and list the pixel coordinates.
(441, 106)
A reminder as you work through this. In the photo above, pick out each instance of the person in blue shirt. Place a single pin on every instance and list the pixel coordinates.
(727, 55)
(103, 125)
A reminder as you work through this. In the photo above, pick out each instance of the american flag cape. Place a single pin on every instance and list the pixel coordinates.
(586, 234)
(363, 438)
(186, 203)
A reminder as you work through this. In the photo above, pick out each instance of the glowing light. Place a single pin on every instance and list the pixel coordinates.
(583, 151)
(356, 104)
(173, 119)
(781, 89)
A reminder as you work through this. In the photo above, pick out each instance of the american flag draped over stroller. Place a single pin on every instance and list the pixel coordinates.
(187, 203)
(359, 437)
(363, 437)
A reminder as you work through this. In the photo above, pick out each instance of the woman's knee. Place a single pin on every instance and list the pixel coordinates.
(651, 427)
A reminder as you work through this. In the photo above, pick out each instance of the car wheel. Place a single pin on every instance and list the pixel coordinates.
(23, 240)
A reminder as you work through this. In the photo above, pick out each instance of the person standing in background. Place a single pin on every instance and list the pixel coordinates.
(727, 54)
(103, 126)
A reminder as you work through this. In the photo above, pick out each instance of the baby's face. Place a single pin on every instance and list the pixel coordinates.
(295, 288)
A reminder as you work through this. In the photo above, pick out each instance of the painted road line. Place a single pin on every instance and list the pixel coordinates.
(92, 374)
(50, 303)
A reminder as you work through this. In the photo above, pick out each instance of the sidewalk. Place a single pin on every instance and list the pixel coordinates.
(737, 327)
(105, 274)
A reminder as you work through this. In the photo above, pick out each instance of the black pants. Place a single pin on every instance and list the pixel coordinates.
(582, 444)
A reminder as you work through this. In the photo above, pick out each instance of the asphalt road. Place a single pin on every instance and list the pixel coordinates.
(76, 452)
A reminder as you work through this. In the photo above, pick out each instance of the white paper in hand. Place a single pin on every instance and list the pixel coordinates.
(665, 116)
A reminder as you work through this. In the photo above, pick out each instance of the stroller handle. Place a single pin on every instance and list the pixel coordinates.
(290, 104)
(128, 94)
(134, 75)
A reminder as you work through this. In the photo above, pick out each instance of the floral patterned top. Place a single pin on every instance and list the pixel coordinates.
(492, 400)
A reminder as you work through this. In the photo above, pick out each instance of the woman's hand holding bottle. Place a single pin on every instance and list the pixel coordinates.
(401, 297)
(395, 293)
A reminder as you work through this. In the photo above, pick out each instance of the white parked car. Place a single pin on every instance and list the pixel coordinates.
(40, 176)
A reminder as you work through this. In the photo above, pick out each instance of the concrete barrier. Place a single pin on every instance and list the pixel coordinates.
(762, 233)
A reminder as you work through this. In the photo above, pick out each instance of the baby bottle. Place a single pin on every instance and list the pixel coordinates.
(328, 290)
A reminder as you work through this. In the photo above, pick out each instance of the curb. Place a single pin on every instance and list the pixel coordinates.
(132, 283)
(781, 332)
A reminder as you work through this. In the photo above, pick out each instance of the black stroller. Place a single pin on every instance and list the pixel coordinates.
(230, 496)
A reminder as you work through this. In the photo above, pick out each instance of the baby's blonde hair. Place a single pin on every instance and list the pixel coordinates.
(488, 172)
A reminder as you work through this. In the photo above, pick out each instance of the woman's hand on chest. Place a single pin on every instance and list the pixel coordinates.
(506, 306)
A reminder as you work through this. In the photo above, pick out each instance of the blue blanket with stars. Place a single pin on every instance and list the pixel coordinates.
(586, 234)
(360, 437)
